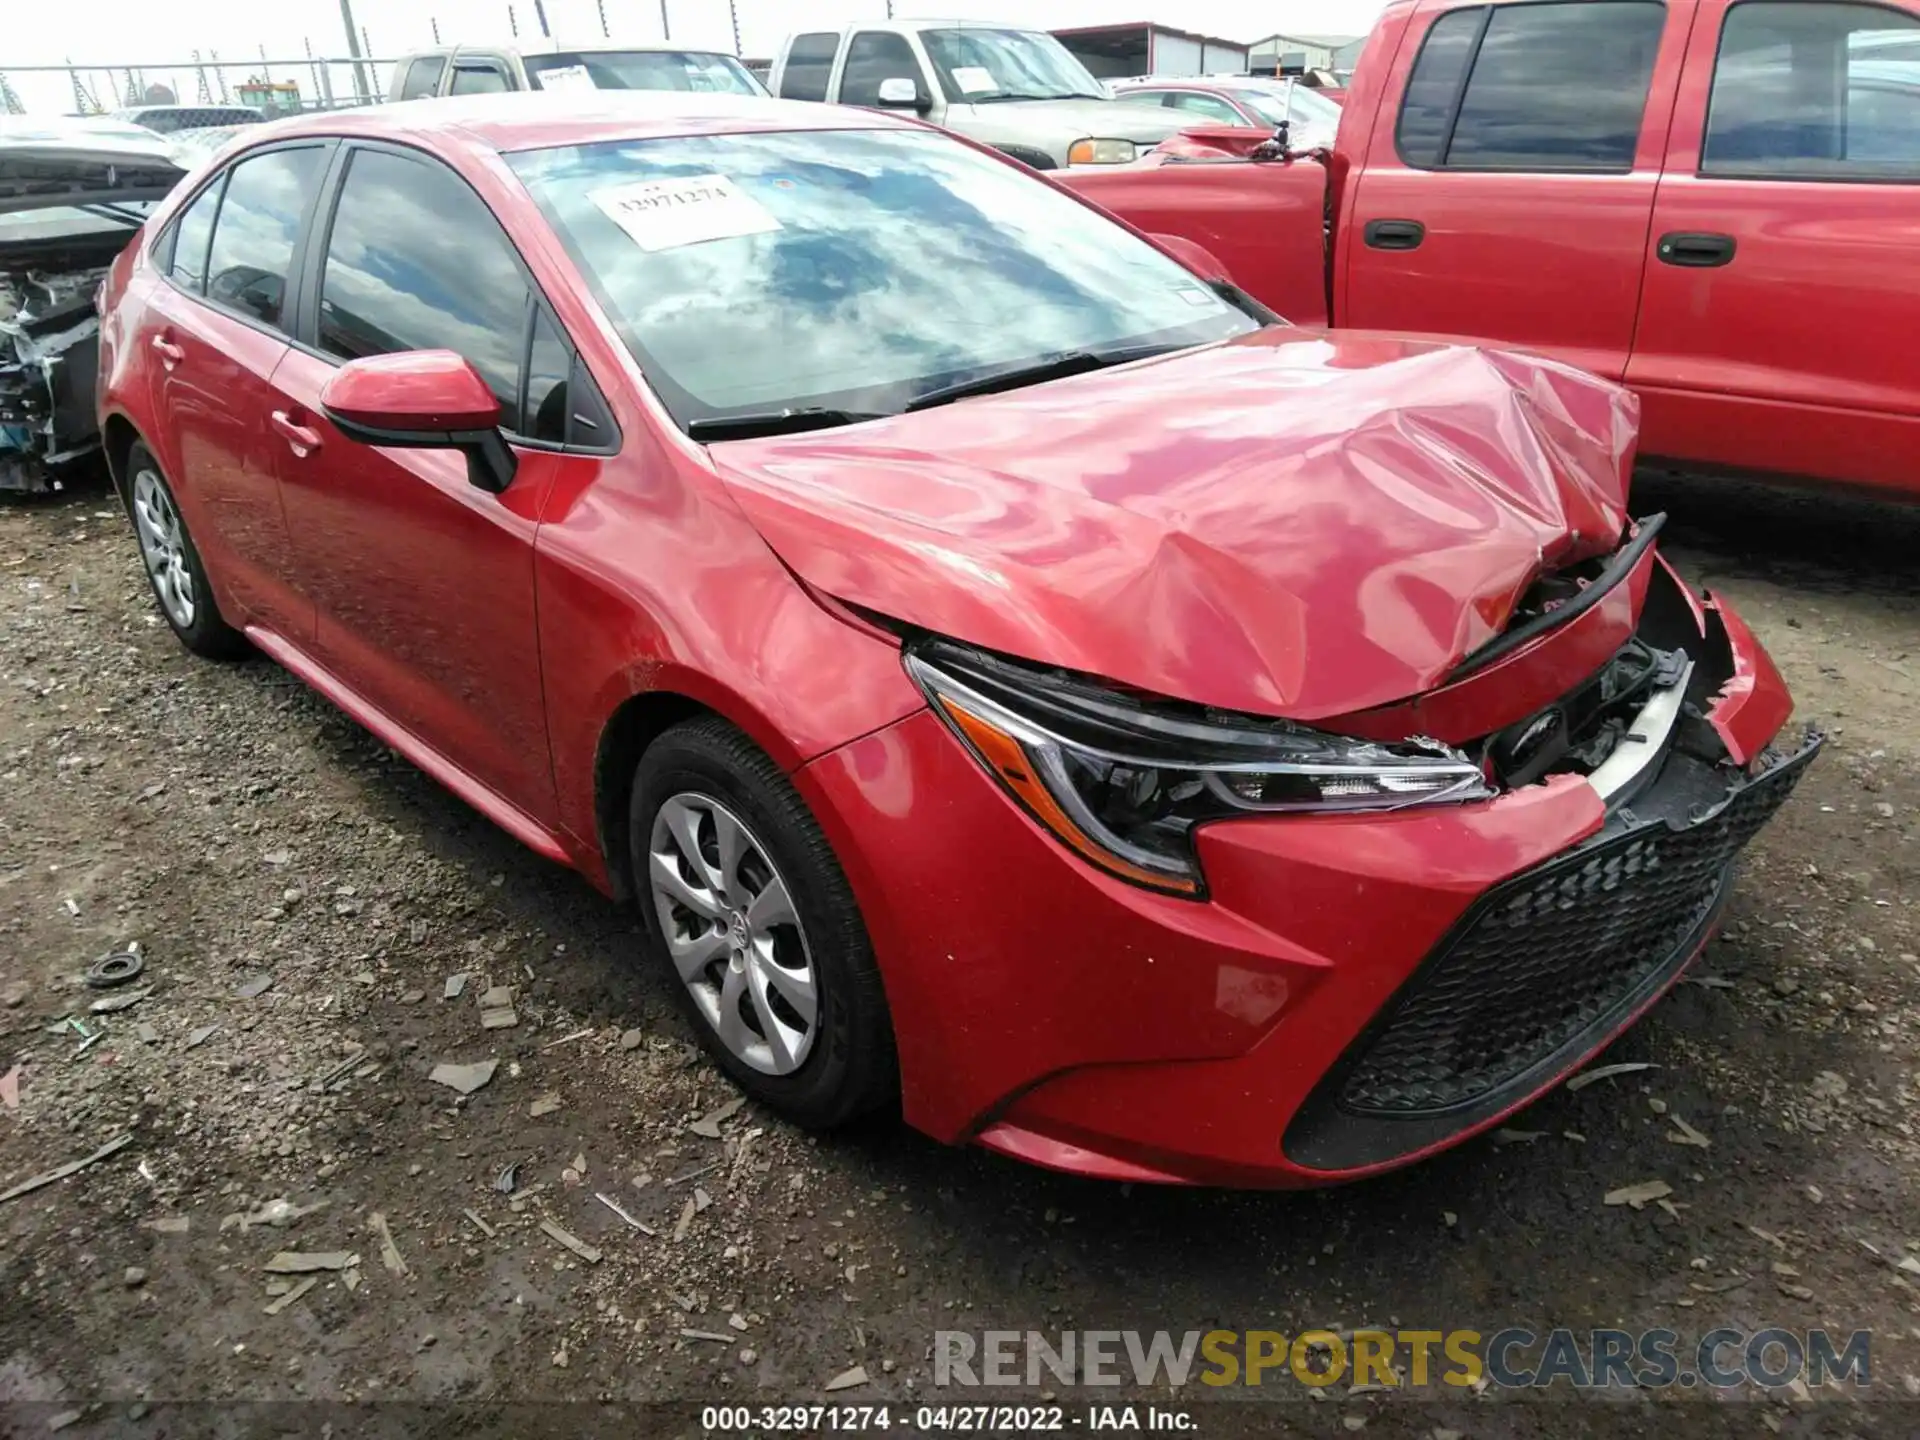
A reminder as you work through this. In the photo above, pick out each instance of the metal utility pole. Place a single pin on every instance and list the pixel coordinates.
(733, 14)
(666, 32)
(513, 22)
(606, 33)
(354, 52)
(540, 14)
(434, 21)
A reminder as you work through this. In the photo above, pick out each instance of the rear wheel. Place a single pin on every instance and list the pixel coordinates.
(174, 568)
(747, 909)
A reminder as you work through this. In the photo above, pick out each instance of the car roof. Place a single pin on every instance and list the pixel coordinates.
(542, 119)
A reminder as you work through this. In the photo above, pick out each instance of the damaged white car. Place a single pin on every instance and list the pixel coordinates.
(73, 193)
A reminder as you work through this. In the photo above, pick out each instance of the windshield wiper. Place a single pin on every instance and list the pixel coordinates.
(1053, 367)
(775, 422)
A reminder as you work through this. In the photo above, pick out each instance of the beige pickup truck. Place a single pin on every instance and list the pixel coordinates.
(484, 69)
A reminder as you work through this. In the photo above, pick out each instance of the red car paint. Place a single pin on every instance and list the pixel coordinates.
(1292, 524)
(1791, 359)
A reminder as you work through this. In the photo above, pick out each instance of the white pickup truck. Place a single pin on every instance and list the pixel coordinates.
(1016, 90)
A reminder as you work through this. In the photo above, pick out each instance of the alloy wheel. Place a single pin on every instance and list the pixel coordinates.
(733, 933)
(163, 546)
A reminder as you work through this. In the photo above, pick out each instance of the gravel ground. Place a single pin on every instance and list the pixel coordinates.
(246, 835)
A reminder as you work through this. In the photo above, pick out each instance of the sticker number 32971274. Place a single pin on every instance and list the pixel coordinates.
(686, 210)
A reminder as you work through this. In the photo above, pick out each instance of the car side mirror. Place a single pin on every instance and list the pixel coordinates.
(422, 400)
(900, 93)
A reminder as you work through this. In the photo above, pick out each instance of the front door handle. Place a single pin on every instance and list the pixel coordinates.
(1394, 234)
(1697, 250)
(299, 438)
(170, 354)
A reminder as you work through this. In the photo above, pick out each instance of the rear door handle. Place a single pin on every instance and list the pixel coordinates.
(1698, 250)
(1394, 234)
(298, 437)
(170, 354)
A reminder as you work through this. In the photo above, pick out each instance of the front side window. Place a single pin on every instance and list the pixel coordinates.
(873, 56)
(191, 237)
(423, 77)
(702, 71)
(1815, 91)
(851, 270)
(478, 80)
(415, 261)
(978, 64)
(809, 64)
(1549, 87)
(258, 225)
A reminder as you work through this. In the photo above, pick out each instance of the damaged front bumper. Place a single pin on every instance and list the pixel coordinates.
(1356, 991)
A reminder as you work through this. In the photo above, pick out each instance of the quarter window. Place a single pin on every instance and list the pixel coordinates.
(423, 77)
(191, 238)
(1549, 87)
(1815, 91)
(258, 225)
(873, 56)
(549, 367)
(809, 63)
(415, 261)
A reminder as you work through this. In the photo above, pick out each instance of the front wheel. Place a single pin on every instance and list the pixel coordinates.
(747, 909)
(173, 564)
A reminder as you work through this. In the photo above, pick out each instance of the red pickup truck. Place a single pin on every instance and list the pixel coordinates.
(1715, 201)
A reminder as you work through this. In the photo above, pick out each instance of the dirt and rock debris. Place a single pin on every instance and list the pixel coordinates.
(391, 1113)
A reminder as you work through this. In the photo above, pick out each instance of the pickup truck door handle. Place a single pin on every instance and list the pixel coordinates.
(1698, 250)
(1394, 234)
(170, 354)
(299, 438)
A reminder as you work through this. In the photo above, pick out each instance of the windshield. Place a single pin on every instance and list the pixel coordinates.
(1309, 110)
(850, 269)
(978, 64)
(641, 70)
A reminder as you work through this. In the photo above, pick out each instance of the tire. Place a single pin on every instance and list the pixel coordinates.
(174, 569)
(819, 1071)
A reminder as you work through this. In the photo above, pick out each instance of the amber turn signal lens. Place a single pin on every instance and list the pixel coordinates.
(1007, 759)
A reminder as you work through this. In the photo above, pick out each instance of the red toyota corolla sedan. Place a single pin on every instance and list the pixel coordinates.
(1014, 675)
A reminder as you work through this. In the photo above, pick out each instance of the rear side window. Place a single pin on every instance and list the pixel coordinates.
(415, 261)
(1555, 86)
(190, 240)
(478, 80)
(873, 56)
(1815, 91)
(809, 63)
(423, 77)
(258, 225)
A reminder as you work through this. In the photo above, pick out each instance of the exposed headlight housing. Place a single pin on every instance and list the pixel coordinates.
(1101, 152)
(1123, 779)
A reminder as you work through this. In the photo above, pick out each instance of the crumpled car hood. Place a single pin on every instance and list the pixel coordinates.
(75, 161)
(1295, 523)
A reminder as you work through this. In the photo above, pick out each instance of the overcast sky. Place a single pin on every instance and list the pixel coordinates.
(120, 32)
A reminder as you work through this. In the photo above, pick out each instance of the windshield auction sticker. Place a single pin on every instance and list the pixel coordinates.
(687, 210)
(567, 77)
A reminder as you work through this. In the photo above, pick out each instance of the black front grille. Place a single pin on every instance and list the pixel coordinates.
(1534, 975)
(1546, 954)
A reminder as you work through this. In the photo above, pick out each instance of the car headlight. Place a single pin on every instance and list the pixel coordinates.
(1123, 778)
(1101, 152)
